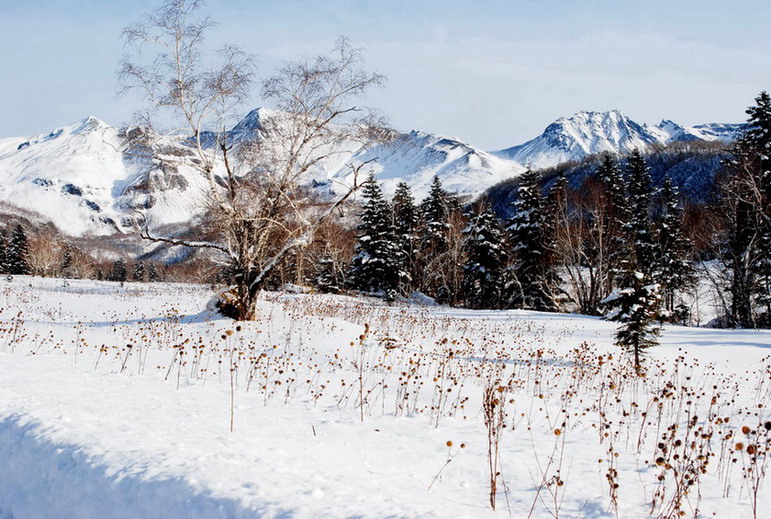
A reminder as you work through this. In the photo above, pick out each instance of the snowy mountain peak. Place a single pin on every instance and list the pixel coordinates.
(586, 133)
(582, 134)
(90, 123)
(253, 120)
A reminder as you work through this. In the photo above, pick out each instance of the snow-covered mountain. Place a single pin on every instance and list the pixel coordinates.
(414, 157)
(587, 133)
(78, 178)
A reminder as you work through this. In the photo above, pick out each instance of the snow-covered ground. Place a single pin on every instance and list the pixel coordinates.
(119, 402)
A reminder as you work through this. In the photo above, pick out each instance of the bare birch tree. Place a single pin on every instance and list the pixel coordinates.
(258, 211)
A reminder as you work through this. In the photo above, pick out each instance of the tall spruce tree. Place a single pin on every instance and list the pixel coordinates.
(435, 210)
(406, 222)
(638, 231)
(747, 206)
(152, 273)
(674, 270)
(485, 265)
(635, 304)
(4, 268)
(763, 273)
(434, 241)
(635, 308)
(758, 134)
(119, 271)
(328, 277)
(139, 271)
(65, 266)
(534, 278)
(17, 252)
(379, 262)
(556, 226)
(615, 219)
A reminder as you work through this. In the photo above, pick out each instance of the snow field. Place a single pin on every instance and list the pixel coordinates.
(343, 407)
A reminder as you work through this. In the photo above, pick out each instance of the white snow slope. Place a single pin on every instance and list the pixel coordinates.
(116, 402)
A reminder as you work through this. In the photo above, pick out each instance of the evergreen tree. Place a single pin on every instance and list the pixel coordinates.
(139, 271)
(435, 210)
(758, 134)
(486, 260)
(406, 222)
(557, 198)
(119, 271)
(635, 305)
(747, 204)
(434, 242)
(763, 273)
(328, 277)
(65, 267)
(4, 268)
(17, 252)
(674, 270)
(152, 273)
(556, 223)
(616, 218)
(742, 233)
(638, 231)
(379, 262)
(635, 308)
(534, 276)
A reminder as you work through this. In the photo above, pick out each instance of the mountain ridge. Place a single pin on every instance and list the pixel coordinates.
(77, 176)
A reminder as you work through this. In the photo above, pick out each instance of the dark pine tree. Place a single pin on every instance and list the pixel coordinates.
(759, 135)
(747, 206)
(65, 267)
(4, 268)
(763, 273)
(328, 276)
(119, 271)
(434, 241)
(635, 305)
(674, 270)
(379, 262)
(406, 222)
(435, 210)
(139, 271)
(533, 283)
(635, 308)
(638, 231)
(17, 252)
(152, 273)
(556, 223)
(616, 217)
(486, 261)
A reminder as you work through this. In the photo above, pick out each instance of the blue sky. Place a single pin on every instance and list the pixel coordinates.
(493, 73)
